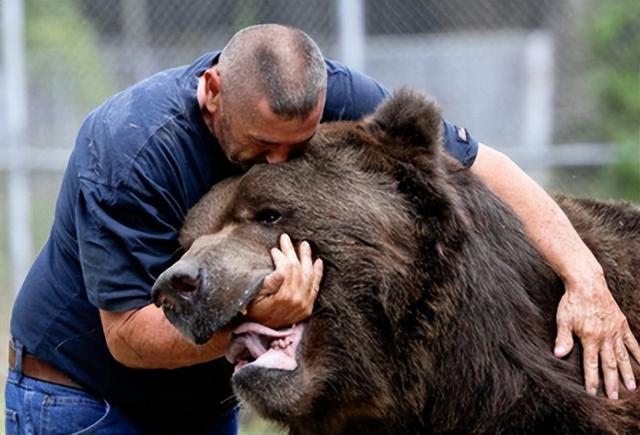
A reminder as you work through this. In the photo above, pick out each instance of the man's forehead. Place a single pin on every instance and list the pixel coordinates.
(267, 140)
(268, 127)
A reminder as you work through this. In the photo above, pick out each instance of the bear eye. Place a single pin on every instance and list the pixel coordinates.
(268, 216)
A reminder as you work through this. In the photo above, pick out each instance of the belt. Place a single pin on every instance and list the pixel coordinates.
(41, 370)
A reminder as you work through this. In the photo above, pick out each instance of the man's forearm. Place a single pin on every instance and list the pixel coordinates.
(546, 224)
(144, 338)
(587, 309)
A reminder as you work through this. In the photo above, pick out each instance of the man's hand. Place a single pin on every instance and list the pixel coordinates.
(588, 310)
(290, 291)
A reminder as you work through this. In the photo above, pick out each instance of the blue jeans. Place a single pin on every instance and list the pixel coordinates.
(35, 407)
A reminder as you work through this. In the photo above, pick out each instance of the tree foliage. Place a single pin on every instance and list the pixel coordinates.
(62, 45)
(614, 38)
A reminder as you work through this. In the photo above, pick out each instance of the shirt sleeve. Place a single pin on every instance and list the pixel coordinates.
(127, 236)
(352, 95)
(459, 143)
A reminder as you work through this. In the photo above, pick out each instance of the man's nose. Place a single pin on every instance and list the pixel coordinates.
(279, 154)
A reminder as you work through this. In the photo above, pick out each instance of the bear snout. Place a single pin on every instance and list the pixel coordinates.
(177, 285)
(200, 294)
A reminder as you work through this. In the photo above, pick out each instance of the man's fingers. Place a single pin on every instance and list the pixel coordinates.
(590, 364)
(610, 370)
(632, 344)
(287, 267)
(306, 261)
(318, 270)
(624, 364)
(278, 257)
(310, 286)
(287, 248)
(564, 341)
(288, 294)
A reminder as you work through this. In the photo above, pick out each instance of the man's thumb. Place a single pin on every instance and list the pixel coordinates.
(272, 283)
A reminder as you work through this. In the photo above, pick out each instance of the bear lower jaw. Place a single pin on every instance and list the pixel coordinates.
(256, 345)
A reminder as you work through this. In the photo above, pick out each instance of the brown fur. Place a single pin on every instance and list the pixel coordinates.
(436, 314)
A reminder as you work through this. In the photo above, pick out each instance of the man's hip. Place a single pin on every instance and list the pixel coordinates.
(45, 407)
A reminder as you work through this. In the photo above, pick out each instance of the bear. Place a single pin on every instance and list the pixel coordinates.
(435, 313)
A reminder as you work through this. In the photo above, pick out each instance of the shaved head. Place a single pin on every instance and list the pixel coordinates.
(278, 63)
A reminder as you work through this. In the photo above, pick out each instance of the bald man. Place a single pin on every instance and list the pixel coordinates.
(89, 351)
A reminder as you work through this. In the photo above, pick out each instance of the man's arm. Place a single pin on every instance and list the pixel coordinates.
(144, 338)
(587, 307)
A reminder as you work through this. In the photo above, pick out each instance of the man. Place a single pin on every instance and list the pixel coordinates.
(92, 354)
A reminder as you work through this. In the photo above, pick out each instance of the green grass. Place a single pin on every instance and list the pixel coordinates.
(592, 182)
(250, 424)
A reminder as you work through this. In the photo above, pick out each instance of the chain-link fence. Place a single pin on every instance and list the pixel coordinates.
(479, 58)
(553, 83)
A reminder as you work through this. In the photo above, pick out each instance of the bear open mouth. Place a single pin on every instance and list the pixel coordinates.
(258, 345)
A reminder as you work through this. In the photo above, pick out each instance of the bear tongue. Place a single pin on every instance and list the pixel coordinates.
(274, 349)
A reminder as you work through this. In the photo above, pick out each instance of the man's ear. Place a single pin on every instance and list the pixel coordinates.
(412, 120)
(212, 86)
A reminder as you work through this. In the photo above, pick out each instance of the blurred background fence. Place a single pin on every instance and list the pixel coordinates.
(555, 84)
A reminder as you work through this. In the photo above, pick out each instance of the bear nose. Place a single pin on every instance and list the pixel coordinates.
(186, 283)
(183, 278)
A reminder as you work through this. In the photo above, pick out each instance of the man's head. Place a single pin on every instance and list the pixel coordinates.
(265, 97)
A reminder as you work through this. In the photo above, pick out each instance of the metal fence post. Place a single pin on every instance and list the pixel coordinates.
(351, 31)
(15, 112)
(538, 101)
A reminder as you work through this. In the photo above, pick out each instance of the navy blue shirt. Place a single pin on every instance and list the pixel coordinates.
(141, 160)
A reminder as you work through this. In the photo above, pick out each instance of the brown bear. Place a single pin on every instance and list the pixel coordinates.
(435, 314)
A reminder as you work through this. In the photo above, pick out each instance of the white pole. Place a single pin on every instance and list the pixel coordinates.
(136, 34)
(538, 101)
(351, 32)
(15, 112)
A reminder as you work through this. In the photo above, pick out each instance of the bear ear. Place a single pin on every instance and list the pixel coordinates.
(411, 119)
